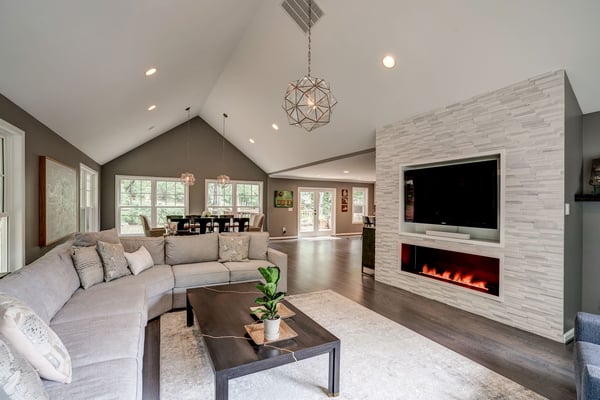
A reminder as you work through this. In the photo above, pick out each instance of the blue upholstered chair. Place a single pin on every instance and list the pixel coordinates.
(587, 356)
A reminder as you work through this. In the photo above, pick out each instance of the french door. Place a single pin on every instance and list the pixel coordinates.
(317, 212)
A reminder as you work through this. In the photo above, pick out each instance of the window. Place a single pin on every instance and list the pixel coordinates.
(88, 199)
(360, 198)
(153, 197)
(12, 197)
(237, 197)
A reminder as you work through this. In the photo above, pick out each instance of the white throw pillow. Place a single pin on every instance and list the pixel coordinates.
(29, 335)
(18, 379)
(139, 260)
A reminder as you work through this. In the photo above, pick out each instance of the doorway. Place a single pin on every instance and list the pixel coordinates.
(317, 212)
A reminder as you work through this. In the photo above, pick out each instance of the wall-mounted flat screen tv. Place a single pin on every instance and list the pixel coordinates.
(460, 194)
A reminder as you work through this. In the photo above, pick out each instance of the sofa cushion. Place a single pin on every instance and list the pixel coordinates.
(114, 380)
(587, 369)
(259, 243)
(192, 249)
(154, 245)
(113, 259)
(200, 274)
(246, 271)
(139, 261)
(233, 248)
(158, 279)
(94, 340)
(102, 301)
(18, 379)
(91, 238)
(46, 284)
(34, 339)
(88, 266)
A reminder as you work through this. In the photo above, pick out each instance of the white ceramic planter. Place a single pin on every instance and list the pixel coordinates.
(271, 328)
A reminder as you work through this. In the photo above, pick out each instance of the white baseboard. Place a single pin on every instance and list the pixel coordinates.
(282, 237)
(349, 234)
(569, 335)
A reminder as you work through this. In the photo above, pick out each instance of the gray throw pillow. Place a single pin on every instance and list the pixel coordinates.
(233, 248)
(18, 379)
(113, 259)
(91, 238)
(88, 266)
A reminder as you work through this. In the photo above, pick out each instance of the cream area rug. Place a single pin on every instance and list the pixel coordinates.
(380, 359)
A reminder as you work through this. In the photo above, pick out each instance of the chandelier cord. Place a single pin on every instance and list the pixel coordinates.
(223, 145)
(189, 129)
(309, 38)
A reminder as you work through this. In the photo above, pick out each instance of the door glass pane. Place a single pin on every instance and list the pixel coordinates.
(325, 207)
(307, 211)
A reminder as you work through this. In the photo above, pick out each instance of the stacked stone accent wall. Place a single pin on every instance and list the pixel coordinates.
(526, 121)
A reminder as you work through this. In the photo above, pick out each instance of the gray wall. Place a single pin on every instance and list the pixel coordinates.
(591, 218)
(280, 217)
(526, 121)
(167, 156)
(573, 222)
(39, 141)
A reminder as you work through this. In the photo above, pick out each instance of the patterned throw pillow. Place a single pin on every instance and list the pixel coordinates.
(233, 248)
(88, 266)
(113, 259)
(18, 379)
(35, 340)
(139, 260)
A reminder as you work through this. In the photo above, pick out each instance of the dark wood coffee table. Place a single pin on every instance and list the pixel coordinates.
(222, 312)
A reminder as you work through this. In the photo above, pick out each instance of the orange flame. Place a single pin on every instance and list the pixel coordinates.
(466, 279)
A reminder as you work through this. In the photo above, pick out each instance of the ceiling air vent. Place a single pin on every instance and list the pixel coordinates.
(298, 10)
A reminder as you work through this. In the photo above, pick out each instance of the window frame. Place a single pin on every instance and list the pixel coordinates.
(14, 199)
(234, 183)
(365, 205)
(153, 214)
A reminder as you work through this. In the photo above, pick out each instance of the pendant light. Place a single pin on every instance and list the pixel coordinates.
(223, 179)
(187, 177)
(308, 102)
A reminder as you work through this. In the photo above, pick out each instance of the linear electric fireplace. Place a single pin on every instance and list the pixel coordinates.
(470, 271)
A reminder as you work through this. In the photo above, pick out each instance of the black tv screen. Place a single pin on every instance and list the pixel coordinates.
(462, 194)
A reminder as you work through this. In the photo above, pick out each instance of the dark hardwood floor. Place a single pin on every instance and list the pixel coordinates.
(536, 363)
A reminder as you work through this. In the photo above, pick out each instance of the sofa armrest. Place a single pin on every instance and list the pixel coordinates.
(587, 328)
(280, 259)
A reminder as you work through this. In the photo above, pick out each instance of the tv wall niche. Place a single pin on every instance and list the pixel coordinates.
(459, 200)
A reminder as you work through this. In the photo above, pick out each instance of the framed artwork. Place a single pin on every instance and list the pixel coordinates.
(58, 200)
(284, 199)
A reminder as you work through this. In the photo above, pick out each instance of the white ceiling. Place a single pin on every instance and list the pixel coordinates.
(78, 66)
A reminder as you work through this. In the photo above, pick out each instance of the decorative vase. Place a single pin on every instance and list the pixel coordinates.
(271, 328)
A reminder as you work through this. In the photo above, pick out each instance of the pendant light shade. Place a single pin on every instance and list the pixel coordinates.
(187, 177)
(223, 179)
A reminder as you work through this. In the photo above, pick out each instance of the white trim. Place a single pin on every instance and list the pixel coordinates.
(83, 170)
(15, 185)
(569, 335)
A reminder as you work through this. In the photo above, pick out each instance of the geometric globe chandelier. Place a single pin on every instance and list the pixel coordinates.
(308, 102)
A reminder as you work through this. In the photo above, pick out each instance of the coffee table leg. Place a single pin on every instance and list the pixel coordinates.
(189, 312)
(221, 386)
(334, 371)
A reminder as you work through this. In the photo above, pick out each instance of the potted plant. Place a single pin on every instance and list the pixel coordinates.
(268, 302)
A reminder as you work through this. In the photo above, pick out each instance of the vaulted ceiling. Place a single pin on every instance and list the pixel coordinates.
(78, 66)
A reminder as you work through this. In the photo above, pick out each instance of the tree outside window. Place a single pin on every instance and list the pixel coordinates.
(359, 204)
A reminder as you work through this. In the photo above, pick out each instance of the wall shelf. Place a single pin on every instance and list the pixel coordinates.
(587, 197)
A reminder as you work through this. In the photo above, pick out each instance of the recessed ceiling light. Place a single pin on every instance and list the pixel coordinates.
(251, 140)
(346, 172)
(151, 71)
(152, 107)
(388, 62)
(275, 126)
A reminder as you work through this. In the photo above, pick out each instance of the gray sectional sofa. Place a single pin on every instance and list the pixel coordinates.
(103, 326)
